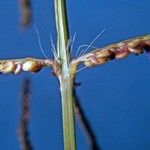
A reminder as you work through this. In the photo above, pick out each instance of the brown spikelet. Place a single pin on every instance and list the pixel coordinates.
(8, 67)
(32, 66)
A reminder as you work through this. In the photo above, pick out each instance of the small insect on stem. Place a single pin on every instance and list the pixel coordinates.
(77, 84)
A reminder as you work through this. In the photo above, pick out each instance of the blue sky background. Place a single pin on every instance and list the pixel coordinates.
(115, 97)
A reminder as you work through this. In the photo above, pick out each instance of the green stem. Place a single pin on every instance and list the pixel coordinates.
(66, 86)
(62, 30)
(66, 78)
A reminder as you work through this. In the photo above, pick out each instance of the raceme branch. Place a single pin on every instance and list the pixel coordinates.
(96, 57)
(27, 64)
(115, 51)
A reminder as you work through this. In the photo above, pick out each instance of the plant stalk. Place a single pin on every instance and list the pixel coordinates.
(66, 85)
(66, 78)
